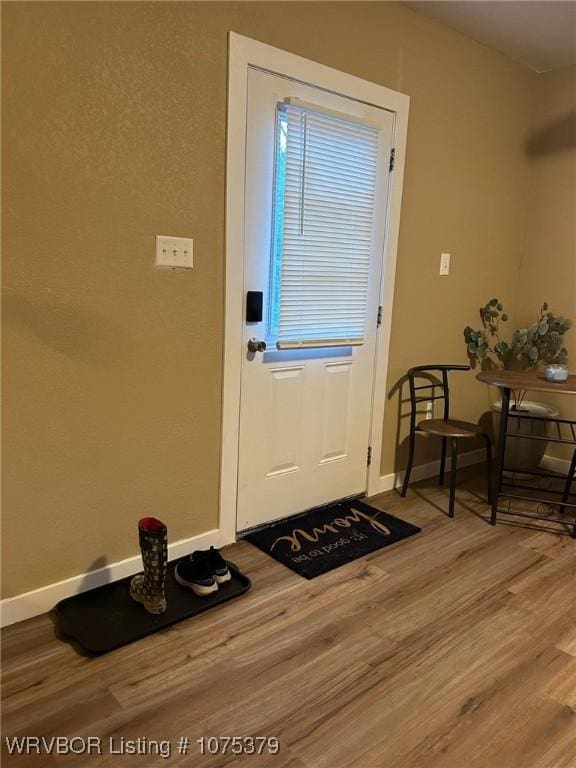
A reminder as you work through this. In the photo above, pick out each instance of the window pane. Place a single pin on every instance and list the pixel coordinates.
(324, 190)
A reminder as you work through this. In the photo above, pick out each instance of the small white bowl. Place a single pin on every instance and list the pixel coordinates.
(556, 373)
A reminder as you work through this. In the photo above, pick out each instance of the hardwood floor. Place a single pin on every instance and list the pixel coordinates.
(453, 649)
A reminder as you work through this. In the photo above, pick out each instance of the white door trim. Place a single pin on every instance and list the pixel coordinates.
(243, 53)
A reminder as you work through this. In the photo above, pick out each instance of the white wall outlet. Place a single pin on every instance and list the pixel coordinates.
(444, 263)
(430, 409)
(175, 252)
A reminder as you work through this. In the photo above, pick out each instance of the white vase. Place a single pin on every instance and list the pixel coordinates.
(524, 454)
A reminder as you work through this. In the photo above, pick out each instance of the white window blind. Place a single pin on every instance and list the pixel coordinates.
(324, 192)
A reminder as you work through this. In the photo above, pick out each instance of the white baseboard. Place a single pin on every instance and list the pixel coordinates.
(29, 604)
(424, 471)
(553, 464)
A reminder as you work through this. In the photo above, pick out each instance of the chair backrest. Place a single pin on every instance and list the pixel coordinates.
(426, 372)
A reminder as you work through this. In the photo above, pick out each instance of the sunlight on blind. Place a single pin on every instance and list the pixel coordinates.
(324, 192)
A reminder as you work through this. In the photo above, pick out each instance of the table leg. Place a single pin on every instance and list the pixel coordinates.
(568, 484)
(500, 450)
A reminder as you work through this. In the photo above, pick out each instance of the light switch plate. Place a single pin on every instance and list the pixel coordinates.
(444, 263)
(174, 252)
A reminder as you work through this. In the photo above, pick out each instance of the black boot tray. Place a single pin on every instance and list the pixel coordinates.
(107, 617)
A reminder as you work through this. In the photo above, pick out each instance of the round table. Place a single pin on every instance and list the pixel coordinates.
(533, 381)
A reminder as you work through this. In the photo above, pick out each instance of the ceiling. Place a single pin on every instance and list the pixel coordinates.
(538, 33)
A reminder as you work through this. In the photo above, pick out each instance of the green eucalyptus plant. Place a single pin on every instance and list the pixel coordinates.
(540, 343)
(485, 343)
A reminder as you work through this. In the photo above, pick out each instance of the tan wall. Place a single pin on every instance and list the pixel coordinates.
(548, 267)
(114, 132)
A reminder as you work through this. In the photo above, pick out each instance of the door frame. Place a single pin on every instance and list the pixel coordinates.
(244, 53)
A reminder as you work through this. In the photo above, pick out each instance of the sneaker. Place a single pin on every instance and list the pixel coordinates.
(196, 575)
(215, 563)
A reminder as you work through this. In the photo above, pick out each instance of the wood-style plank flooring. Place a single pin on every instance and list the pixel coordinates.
(453, 649)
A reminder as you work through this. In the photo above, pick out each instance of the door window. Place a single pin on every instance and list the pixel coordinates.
(322, 229)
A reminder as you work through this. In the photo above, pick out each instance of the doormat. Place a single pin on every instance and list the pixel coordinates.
(321, 539)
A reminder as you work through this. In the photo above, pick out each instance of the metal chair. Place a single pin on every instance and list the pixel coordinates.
(446, 428)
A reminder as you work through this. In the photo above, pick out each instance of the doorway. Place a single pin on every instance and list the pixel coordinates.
(314, 185)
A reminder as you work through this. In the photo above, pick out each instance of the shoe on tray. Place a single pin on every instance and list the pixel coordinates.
(202, 572)
(196, 576)
(216, 564)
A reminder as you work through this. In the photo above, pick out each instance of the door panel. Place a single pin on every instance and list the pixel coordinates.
(305, 413)
(284, 419)
(335, 422)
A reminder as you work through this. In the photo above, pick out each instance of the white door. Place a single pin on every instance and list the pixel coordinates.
(317, 177)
